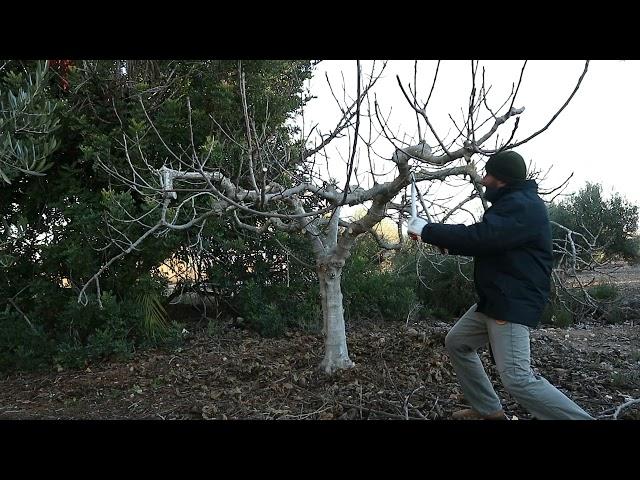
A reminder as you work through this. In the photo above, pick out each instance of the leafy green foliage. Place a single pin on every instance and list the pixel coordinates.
(611, 224)
(604, 291)
(270, 309)
(371, 287)
(28, 117)
(569, 306)
(446, 286)
(21, 347)
(267, 284)
(55, 227)
(154, 316)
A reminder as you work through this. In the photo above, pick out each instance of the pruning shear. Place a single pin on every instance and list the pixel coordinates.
(414, 213)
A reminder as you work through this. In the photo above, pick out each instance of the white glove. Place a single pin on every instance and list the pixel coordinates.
(415, 226)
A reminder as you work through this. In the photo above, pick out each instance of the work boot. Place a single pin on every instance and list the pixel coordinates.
(471, 414)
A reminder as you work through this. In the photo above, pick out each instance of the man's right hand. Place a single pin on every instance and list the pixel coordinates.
(415, 226)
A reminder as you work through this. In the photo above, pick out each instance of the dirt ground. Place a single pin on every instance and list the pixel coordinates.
(402, 372)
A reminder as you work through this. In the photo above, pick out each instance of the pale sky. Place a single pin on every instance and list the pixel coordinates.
(594, 136)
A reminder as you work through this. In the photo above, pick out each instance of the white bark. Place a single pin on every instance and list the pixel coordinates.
(329, 264)
(336, 355)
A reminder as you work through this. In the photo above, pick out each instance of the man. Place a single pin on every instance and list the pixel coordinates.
(512, 250)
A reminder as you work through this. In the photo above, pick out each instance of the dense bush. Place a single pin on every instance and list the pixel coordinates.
(566, 307)
(54, 234)
(446, 287)
(611, 224)
(271, 309)
(374, 286)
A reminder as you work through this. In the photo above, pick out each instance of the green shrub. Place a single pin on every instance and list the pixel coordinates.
(613, 220)
(93, 333)
(625, 380)
(604, 292)
(271, 309)
(565, 306)
(613, 315)
(22, 348)
(378, 295)
(563, 318)
(560, 310)
(90, 333)
(374, 287)
(443, 288)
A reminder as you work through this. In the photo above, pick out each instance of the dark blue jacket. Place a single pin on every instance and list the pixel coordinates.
(512, 252)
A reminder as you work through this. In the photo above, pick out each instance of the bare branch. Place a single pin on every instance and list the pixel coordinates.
(584, 72)
(355, 138)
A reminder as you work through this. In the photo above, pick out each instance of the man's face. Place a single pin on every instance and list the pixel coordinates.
(492, 182)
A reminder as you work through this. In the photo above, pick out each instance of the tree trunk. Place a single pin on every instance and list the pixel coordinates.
(336, 355)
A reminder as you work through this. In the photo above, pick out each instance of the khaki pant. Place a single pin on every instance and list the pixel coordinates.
(510, 347)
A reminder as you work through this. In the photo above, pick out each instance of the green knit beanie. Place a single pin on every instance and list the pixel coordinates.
(507, 166)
